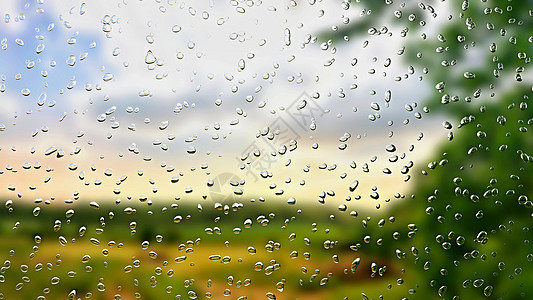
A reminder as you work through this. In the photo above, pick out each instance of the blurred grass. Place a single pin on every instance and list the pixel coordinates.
(187, 238)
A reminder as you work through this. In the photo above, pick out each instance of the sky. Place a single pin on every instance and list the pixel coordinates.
(180, 91)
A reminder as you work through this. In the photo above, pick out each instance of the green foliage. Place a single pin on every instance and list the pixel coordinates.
(473, 208)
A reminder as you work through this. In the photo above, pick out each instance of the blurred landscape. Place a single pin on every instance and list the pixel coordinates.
(425, 196)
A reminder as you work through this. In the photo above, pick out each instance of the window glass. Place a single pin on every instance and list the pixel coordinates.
(248, 149)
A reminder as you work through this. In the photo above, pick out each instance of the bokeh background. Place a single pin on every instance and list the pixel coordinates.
(280, 150)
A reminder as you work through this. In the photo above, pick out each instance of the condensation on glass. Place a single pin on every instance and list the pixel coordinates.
(249, 149)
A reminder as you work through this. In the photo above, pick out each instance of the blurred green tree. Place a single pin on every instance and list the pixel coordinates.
(470, 216)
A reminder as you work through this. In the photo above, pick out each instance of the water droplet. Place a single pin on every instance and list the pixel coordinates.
(287, 36)
(71, 60)
(163, 125)
(83, 8)
(50, 150)
(107, 77)
(149, 58)
(469, 75)
(39, 48)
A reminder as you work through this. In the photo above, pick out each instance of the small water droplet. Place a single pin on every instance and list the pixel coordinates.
(149, 58)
